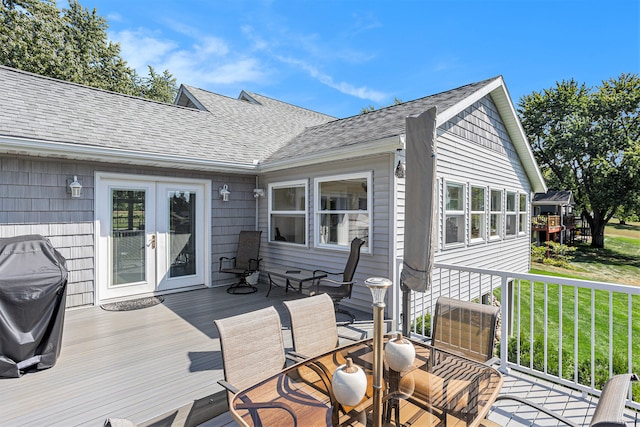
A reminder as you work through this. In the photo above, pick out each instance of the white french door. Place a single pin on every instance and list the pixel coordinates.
(151, 234)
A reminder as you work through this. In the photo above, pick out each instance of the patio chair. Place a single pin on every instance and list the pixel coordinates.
(609, 409)
(314, 332)
(465, 328)
(338, 290)
(313, 325)
(252, 350)
(245, 263)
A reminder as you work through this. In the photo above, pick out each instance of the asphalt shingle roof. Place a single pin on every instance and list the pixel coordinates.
(41, 108)
(228, 130)
(553, 197)
(373, 125)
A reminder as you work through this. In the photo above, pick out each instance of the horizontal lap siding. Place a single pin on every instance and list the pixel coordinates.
(34, 200)
(376, 264)
(475, 149)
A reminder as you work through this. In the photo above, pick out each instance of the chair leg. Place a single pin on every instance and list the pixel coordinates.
(242, 287)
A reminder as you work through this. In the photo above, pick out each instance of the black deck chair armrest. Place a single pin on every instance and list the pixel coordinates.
(231, 388)
(336, 282)
(328, 273)
(254, 407)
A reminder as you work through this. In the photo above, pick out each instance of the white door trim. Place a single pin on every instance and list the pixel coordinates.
(102, 203)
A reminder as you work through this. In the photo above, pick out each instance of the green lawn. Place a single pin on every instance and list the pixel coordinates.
(619, 262)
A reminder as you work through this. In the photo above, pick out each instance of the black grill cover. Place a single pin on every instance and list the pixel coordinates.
(33, 289)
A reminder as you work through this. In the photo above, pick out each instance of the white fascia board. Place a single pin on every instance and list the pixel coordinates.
(385, 145)
(41, 148)
(519, 138)
(451, 112)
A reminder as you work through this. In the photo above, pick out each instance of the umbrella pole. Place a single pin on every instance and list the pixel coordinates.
(406, 310)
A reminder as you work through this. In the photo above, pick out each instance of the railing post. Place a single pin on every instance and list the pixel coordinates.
(504, 322)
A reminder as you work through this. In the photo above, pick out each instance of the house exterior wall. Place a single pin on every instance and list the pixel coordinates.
(34, 200)
(375, 264)
(474, 148)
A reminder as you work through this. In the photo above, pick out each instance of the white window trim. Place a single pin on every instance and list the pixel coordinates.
(501, 226)
(477, 240)
(511, 213)
(317, 211)
(526, 221)
(288, 184)
(454, 213)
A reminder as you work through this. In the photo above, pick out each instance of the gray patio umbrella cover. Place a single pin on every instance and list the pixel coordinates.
(420, 208)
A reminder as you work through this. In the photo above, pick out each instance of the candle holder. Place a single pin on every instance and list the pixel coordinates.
(378, 287)
(349, 383)
(399, 353)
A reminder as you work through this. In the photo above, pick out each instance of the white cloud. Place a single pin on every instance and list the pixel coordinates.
(139, 48)
(205, 61)
(343, 87)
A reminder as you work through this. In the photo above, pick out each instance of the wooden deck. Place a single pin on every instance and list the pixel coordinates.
(132, 364)
(145, 365)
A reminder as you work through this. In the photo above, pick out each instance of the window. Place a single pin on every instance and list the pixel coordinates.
(478, 206)
(495, 219)
(522, 222)
(511, 216)
(288, 212)
(454, 213)
(343, 208)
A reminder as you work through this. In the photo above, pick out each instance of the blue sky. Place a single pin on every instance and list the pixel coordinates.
(337, 57)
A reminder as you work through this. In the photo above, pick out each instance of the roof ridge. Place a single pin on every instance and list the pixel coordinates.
(289, 104)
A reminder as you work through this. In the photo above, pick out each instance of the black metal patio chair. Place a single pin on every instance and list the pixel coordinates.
(245, 263)
(338, 290)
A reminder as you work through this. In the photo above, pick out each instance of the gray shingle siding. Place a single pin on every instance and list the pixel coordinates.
(38, 203)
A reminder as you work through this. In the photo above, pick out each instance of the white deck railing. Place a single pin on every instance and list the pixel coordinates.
(559, 311)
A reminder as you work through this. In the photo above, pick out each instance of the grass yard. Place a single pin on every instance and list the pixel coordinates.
(619, 262)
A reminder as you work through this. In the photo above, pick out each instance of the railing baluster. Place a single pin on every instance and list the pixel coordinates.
(575, 334)
(561, 332)
(546, 327)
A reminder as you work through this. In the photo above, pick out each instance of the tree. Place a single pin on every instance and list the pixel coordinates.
(71, 44)
(159, 87)
(588, 141)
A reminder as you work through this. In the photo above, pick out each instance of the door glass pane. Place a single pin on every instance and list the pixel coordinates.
(128, 237)
(182, 245)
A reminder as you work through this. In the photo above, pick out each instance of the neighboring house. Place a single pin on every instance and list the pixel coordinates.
(151, 219)
(553, 217)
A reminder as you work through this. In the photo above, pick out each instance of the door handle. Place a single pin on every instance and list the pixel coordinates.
(153, 242)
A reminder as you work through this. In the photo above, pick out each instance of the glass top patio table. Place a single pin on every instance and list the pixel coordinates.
(439, 389)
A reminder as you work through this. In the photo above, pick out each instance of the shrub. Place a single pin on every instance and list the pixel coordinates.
(538, 253)
(417, 324)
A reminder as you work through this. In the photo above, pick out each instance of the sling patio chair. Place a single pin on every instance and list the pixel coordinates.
(252, 349)
(338, 290)
(245, 263)
(314, 331)
(465, 328)
(609, 409)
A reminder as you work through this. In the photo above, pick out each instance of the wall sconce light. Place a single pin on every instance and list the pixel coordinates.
(75, 188)
(401, 170)
(258, 192)
(224, 193)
